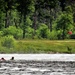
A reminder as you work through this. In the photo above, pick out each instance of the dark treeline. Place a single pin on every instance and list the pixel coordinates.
(36, 19)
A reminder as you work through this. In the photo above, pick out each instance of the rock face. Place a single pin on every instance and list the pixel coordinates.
(23, 67)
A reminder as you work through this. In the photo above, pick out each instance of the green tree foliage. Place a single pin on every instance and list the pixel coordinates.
(50, 4)
(65, 22)
(26, 7)
(29, 32)
(8, 6)
(53, 35)
(1, 14)
(12, 30)
(1, 20)
(43, 31)
(37, 18)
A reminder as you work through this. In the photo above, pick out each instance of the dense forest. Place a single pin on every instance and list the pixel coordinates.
(37, 19)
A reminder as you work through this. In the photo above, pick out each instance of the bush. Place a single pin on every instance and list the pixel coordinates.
(53, 35)
(29, 32)
(15, 32)
(1, 33)
(59, 34)
(8, 41)
(43, 31)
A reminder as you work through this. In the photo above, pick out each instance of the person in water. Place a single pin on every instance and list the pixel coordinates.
(2, 59)
(12, 58)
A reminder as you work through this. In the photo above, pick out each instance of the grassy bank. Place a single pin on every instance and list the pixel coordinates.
(41, 46)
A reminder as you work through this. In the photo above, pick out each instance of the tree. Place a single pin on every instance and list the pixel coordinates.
(1, 20)
(50, 4)
(25, 7)
(1, 14)
(65, 22)
(43, 31)
(62, 4)
(38, 5)
(8, 6)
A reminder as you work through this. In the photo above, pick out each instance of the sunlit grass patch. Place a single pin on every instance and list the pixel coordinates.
(41, 46)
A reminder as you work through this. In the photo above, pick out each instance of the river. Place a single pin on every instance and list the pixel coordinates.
(38, 64)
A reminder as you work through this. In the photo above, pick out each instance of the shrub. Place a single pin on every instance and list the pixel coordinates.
(1, 33)
(59, 34)
(12, 30)
(29, 32)
(43, 31)
(53, 35)
(8, 41)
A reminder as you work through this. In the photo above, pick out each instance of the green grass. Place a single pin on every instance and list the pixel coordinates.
(41, 46)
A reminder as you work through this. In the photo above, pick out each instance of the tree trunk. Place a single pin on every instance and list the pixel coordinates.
(21, 19)
(24, 27)
(23, 33)
(7, 19)
(50, 26)
(34, 24)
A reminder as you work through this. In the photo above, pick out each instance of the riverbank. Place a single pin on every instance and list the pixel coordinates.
(41, 46)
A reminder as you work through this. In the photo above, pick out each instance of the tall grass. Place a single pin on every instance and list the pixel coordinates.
(38, 46)
(44, 46)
